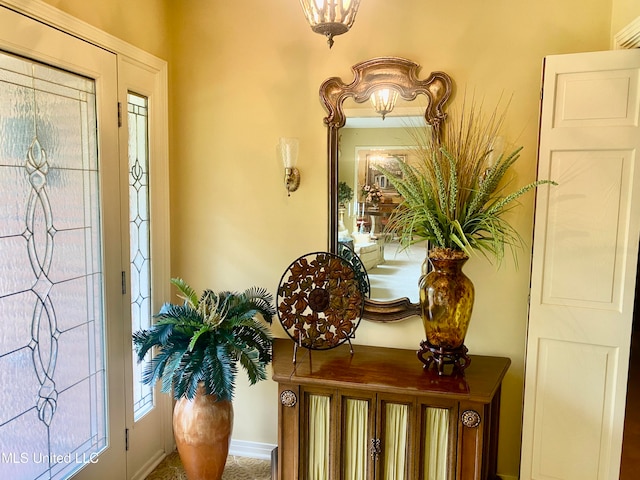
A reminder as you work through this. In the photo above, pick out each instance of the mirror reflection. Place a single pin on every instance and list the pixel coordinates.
(366, 199)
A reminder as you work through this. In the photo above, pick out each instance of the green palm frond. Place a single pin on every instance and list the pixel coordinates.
(188, 293)
(188, 373)
(192, 342)
(255, 369)
(255, 337)
(251, 302)
(203, 340)
(222, 370)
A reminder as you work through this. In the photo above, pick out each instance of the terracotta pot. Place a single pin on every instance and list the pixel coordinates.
(202, 429)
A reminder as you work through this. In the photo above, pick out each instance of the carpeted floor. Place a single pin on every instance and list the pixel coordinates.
(237, 468)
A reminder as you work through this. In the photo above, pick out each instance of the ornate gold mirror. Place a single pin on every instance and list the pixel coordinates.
(392, 77)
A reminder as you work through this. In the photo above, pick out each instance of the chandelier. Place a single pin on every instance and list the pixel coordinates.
(330, 17)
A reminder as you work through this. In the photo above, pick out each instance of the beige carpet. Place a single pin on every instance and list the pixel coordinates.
(237, 468)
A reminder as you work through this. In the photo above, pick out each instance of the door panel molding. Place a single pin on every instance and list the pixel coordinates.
(559, 420)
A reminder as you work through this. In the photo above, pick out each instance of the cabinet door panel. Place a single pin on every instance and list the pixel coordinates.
(316, 441)
(436, 435)
(357, 430)
(397, 415)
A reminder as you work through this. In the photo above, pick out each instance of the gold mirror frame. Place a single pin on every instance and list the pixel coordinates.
(370, 75)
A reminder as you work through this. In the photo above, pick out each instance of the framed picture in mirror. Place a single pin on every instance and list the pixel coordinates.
(388, 161)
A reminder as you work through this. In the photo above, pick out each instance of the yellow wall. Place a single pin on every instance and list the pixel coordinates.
(244, 73)
(623, 13)
(141, 22)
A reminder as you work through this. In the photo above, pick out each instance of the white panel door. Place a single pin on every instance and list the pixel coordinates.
(61, 348)
(585, 254)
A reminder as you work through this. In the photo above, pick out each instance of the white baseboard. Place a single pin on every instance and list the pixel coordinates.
(149, 466)
(243, 448)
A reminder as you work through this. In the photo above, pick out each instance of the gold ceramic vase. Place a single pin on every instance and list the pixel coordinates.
(446, 300)
(202, 429)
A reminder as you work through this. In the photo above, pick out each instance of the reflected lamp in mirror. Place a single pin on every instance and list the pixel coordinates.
(383, 100)
(288, 148)
(330, 17)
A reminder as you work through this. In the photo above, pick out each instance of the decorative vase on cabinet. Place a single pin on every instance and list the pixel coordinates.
(446, 301)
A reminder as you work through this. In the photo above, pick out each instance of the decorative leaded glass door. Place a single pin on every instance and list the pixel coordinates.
(60, 305)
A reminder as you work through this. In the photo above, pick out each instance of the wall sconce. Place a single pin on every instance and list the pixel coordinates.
(288, 148)
(330, 17)
(383, 100)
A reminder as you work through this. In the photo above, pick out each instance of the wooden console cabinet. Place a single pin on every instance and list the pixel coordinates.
(378, 415)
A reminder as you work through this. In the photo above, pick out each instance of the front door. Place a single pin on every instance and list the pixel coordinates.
(585, 254)
(61, 327)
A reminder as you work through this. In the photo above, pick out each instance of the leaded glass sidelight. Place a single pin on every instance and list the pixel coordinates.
(139, 228)
(52, 362)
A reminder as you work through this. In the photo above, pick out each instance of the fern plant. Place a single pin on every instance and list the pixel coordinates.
(455, 195)
(204, 339)
(345, 193)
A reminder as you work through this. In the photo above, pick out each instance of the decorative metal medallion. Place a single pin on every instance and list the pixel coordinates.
(320, 301)
(288, 398)
(352, 257)
(470, 418)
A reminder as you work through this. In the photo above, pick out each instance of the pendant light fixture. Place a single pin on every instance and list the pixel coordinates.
(330, 17)
(383, 100)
